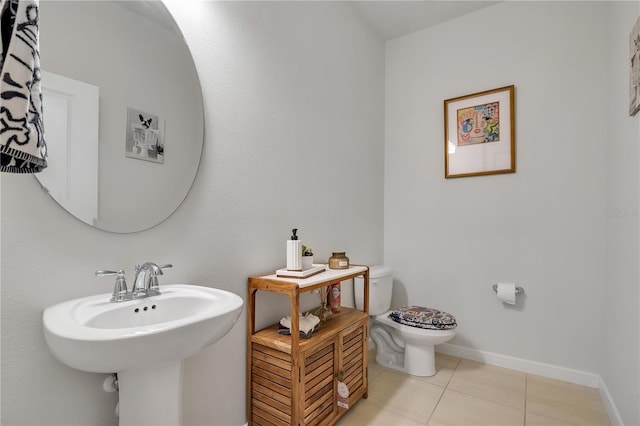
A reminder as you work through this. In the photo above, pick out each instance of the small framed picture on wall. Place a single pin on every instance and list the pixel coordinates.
(479, 134)
(144, 137)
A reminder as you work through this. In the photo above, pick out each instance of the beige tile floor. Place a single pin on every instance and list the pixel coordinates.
(469, 393)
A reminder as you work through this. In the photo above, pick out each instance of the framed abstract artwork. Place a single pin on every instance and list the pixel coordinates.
(479, 133)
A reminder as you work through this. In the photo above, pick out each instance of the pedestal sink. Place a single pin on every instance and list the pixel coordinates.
(143, 340)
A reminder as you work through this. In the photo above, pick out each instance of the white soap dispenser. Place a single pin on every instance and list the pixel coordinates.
(294, 252)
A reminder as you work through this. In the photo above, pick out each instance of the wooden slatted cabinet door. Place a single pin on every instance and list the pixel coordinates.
(352, 368)
(319, 389)
(271, 391)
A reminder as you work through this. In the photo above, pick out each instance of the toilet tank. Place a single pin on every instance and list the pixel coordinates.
(380, 286)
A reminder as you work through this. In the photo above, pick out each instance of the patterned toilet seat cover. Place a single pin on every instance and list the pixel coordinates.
(417, 316)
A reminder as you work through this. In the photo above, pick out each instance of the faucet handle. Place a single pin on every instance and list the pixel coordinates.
(154, 286)
(168, 265)
(120, 292)
(102, 273)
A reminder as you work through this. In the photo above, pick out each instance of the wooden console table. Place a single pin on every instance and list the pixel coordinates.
(293, 381)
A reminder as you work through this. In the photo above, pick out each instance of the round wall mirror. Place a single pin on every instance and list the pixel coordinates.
(123, 112)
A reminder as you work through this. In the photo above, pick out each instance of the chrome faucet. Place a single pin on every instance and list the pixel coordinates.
(145, 283)
(120, 293)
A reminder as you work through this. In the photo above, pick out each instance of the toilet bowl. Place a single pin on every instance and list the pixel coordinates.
(406, 348)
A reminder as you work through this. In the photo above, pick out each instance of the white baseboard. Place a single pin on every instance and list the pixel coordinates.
(541, 369)
(614, 415)
(533, 367)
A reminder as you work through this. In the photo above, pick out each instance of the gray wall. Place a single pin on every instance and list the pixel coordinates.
(294, 116)
(620, 364)
(547, 227)
(295, 102)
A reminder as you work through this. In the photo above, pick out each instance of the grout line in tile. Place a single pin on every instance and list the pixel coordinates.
(454, 372)
(485, 399)
(435, 407)
(446, 387)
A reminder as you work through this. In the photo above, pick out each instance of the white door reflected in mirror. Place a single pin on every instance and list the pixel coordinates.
(70, 109)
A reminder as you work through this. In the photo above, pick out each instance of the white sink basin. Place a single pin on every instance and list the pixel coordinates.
(92, 334)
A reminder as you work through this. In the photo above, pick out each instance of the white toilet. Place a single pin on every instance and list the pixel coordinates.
(407, 348)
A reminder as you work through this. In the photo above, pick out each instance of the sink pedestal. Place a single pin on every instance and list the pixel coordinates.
(151, 396)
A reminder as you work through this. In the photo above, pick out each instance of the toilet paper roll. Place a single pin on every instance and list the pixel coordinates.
(507, 293)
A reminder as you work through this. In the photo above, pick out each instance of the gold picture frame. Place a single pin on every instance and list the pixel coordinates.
(479, 133)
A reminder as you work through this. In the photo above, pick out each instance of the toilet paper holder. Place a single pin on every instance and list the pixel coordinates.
(519, 290)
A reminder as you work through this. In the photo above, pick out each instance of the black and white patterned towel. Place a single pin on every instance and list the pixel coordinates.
(22, 145)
